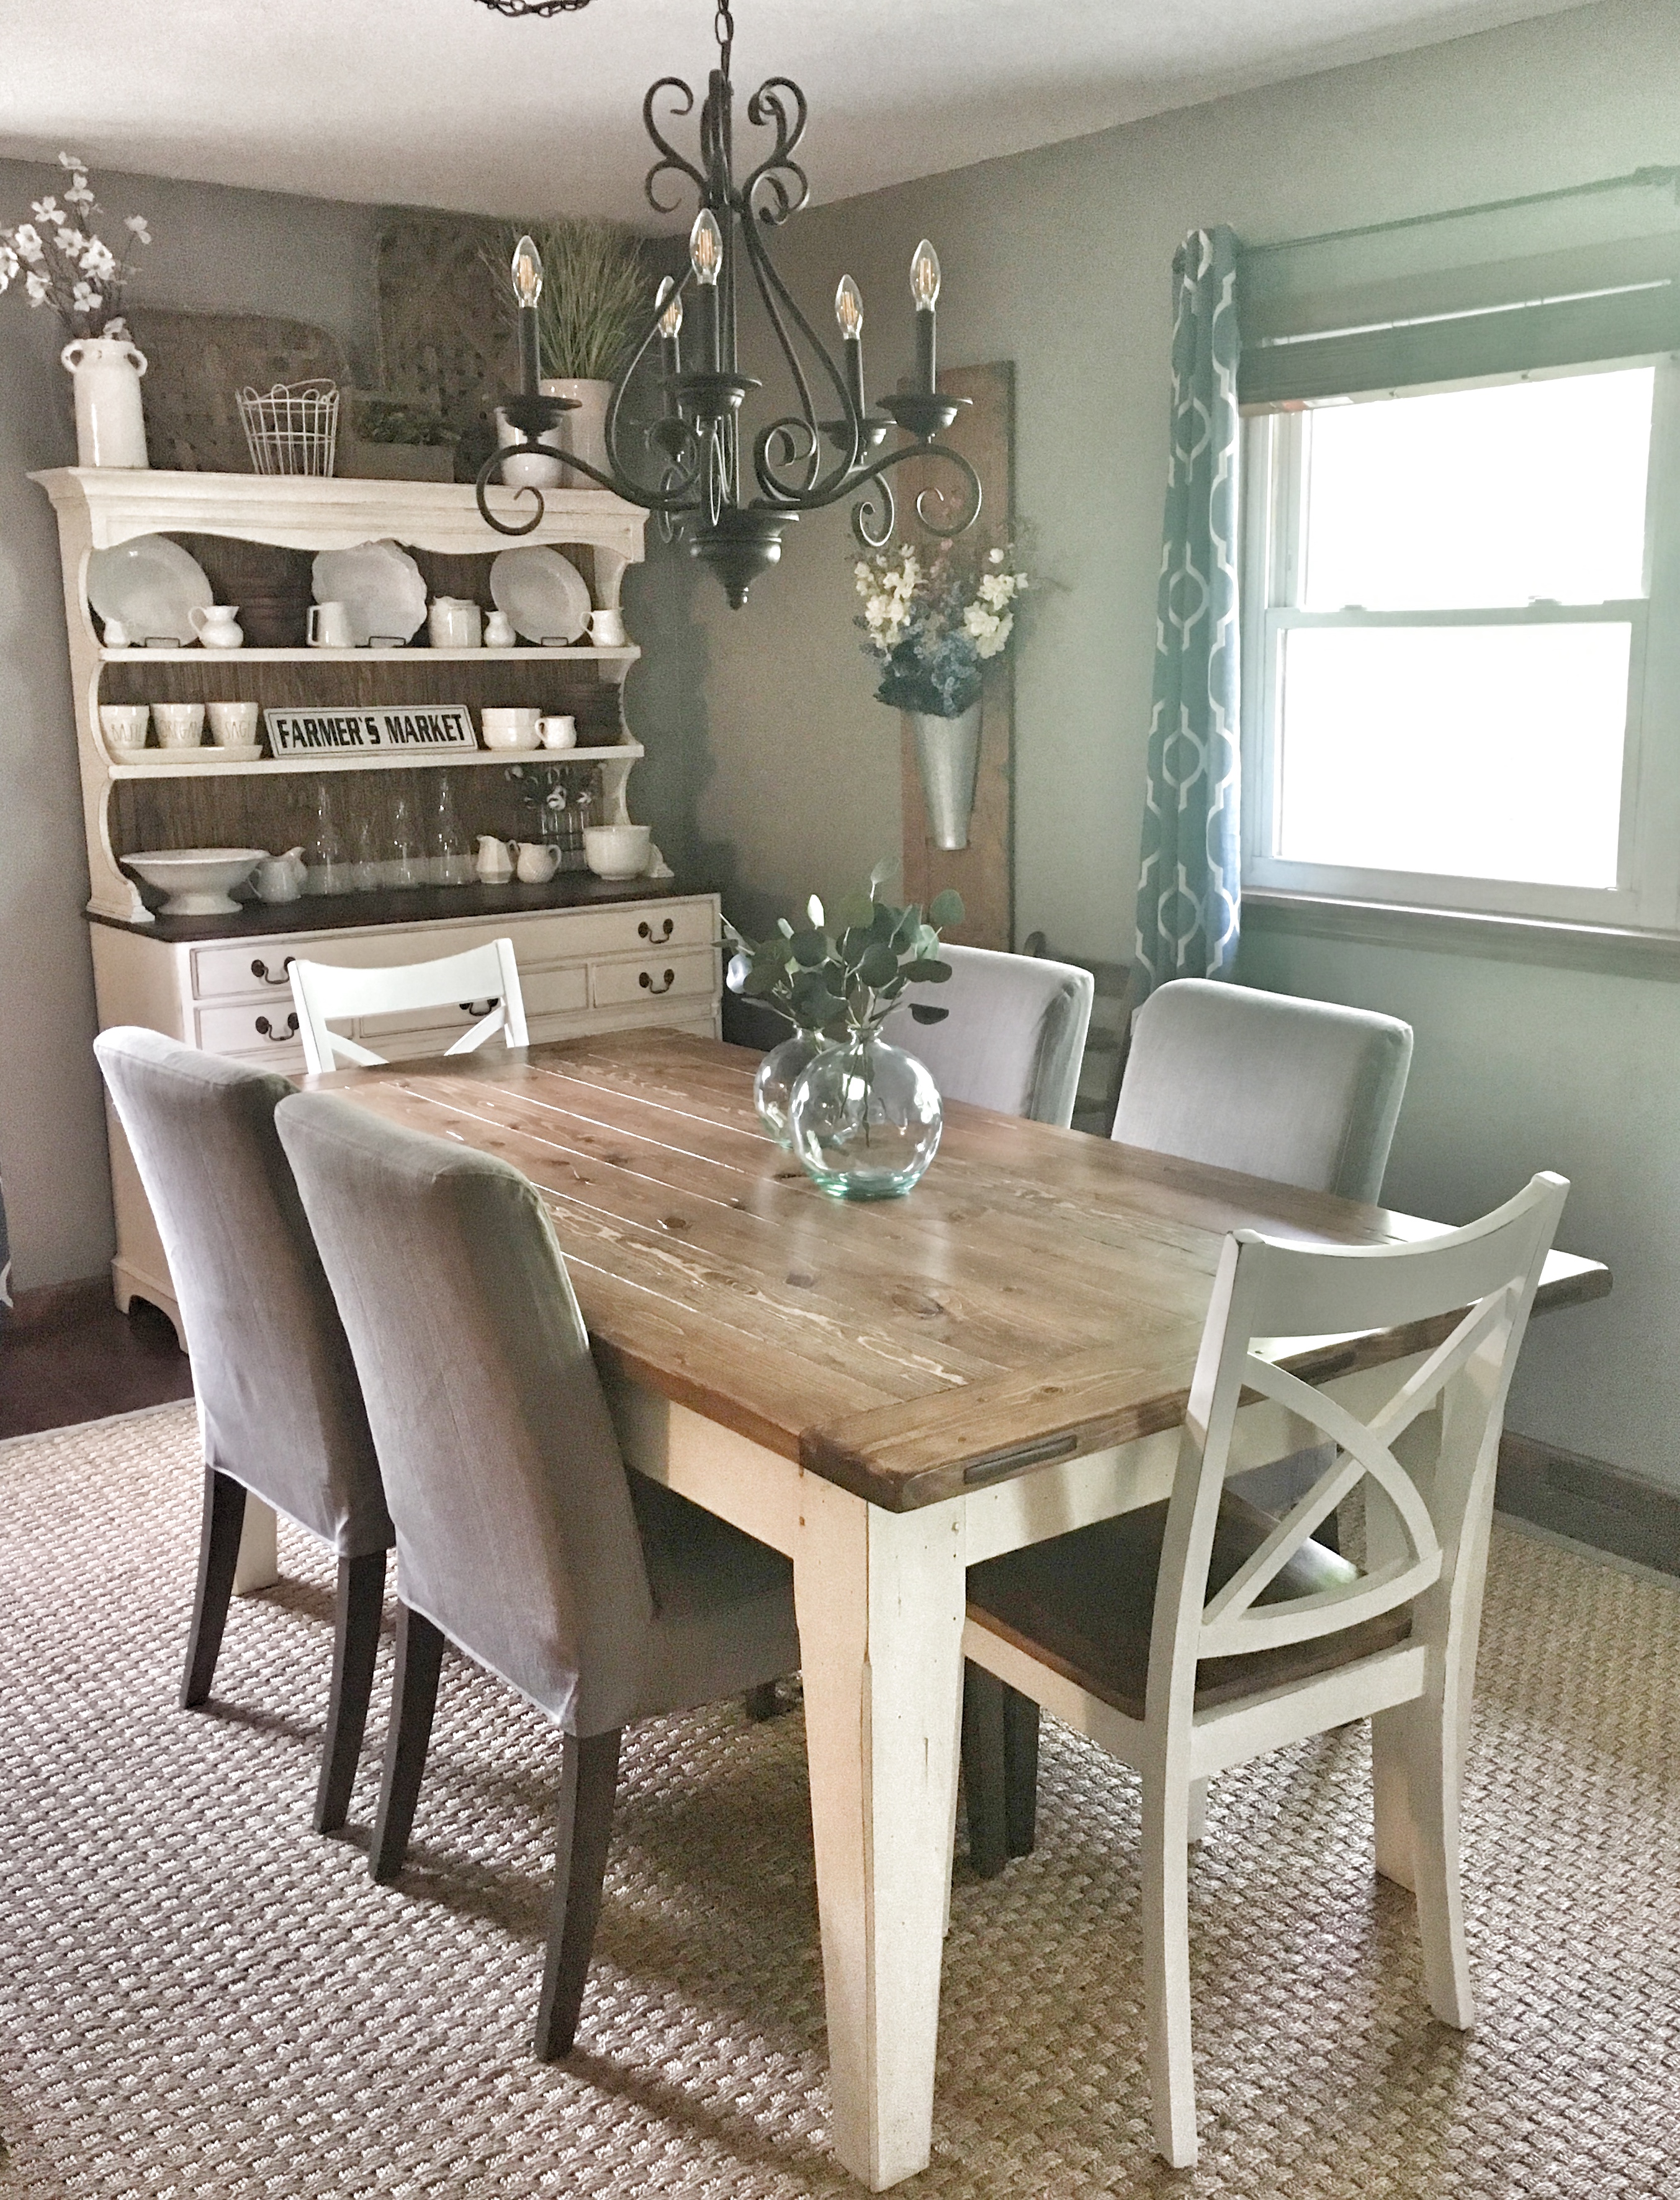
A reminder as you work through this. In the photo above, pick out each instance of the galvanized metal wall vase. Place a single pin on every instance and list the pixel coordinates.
(1189, 889)
(947, 759)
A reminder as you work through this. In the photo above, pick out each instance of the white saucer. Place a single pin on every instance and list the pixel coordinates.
(232, 752)
(236, 751)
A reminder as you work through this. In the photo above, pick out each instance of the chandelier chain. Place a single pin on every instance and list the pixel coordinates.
(724, 27)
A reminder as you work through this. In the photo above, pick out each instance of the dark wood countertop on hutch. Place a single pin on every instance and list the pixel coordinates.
(397, 905)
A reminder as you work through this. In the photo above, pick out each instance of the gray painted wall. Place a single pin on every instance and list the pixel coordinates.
(1058, 259)
(226, 250)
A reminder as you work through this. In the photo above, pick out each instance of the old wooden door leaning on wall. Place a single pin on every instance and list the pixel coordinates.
(983, 873)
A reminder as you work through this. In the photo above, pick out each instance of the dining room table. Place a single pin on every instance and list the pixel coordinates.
(889, 1392)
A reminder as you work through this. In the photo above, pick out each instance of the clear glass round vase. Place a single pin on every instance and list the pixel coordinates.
(777, 1075)
(866, 1120)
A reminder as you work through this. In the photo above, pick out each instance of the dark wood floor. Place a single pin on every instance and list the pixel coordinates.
(76, 1359)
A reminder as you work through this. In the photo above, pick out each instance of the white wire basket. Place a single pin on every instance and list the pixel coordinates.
(292, 429)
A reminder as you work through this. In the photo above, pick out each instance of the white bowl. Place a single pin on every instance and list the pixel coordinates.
(199, 882)
(509, 727)
(617, 851)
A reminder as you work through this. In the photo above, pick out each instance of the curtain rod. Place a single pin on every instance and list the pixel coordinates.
(1640, 178)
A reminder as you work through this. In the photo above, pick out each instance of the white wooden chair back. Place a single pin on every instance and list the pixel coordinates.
(1268, 1295)
(323, 990)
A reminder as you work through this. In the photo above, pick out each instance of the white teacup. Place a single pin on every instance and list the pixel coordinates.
(558, 733)
(606, 630)
(124, 725)
(232, 725)
(454, 622)
(180, 725)
(329, 627)
(511, 728)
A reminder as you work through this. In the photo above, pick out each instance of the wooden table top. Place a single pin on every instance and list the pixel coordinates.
(1040, 1294)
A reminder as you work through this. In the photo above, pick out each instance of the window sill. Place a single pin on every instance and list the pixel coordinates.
(1614, 949)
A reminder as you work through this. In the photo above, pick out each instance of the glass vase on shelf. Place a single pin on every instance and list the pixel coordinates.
(365, 862)
(328, 872)
(865, 1118)
(449, 859)
(405, 866)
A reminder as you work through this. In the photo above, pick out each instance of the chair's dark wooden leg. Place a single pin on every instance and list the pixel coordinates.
(982, 1765)
(1020, 1771)
(413, 1701)
(361, 1605)
(588, 1780)
(218, 1556)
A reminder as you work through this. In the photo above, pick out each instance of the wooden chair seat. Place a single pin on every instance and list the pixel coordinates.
(1084, 1603)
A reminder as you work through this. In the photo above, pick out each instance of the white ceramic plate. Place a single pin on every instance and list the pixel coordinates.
(150, 584)
(379, 584)
(542, 593)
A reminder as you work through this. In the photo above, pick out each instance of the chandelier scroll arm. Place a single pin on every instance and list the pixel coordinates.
(670, 161)
(766, 108)
(877, 473)
(817, 487)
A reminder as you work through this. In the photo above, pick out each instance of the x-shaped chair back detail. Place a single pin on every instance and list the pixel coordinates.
(1277, 1297)
(325, 990)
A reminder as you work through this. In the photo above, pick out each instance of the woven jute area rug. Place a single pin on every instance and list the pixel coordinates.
(199, 1997)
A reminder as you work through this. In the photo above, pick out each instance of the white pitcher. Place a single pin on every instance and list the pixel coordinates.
(217, 625)
(110, 423)
(494, 864)
(538, 860)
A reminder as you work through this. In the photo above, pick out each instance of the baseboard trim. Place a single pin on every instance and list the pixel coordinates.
(52, 1305)
(1590, 1501)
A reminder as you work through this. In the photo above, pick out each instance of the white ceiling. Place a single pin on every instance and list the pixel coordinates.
(439, 102)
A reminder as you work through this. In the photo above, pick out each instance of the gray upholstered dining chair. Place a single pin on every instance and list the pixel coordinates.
(1013, 1036)
(521, 1537)
(279, 1408)
(1300, 1092)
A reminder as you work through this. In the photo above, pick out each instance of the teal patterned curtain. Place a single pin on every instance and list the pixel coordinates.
(1189, 891)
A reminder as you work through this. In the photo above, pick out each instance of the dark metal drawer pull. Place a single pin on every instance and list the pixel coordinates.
(279, 1037)
(260, 970)
(670, 980)
(479, 1008)
(644, 930)
(994, 1466)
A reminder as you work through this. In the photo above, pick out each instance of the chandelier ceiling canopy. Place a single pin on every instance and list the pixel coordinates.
(688, 467)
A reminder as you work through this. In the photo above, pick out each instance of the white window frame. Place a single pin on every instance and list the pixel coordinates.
(1647, 892)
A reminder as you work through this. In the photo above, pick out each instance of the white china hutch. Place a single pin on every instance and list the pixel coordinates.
(593, 955)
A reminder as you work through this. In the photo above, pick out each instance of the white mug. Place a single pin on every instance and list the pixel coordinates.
(558, 733)
(454, 622)
(606, 630)
(233, 725)
(514, 728)
(498, 632)
(329, 627)
(180, 725)
(124, 725)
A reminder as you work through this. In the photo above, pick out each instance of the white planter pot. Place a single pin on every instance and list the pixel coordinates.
(948, 757)
(110, 423)
(584, 431)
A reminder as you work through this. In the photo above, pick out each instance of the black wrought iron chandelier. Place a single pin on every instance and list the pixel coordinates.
(687, 465)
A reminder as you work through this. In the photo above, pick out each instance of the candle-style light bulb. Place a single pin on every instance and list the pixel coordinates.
(528, 272)
(925, 290)
(848, 309)
(925, 278)
(528, 282)
(671, 321)
(705, 247)
(670, 349)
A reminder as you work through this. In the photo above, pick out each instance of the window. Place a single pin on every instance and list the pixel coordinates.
(1457, 691)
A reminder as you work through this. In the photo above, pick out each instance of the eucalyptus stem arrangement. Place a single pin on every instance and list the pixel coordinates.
(841, 976)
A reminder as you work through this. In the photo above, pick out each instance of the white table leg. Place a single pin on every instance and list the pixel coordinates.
(259, 1563)
(880, 1599)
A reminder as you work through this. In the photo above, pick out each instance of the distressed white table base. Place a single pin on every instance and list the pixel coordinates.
(881, 1600)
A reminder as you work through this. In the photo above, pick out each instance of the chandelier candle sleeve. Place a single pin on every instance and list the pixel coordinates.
(528, 282)
(925, 290)
(848, 313)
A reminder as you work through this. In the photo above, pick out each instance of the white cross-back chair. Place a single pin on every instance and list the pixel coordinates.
(327, 991)
(1193, 1636)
